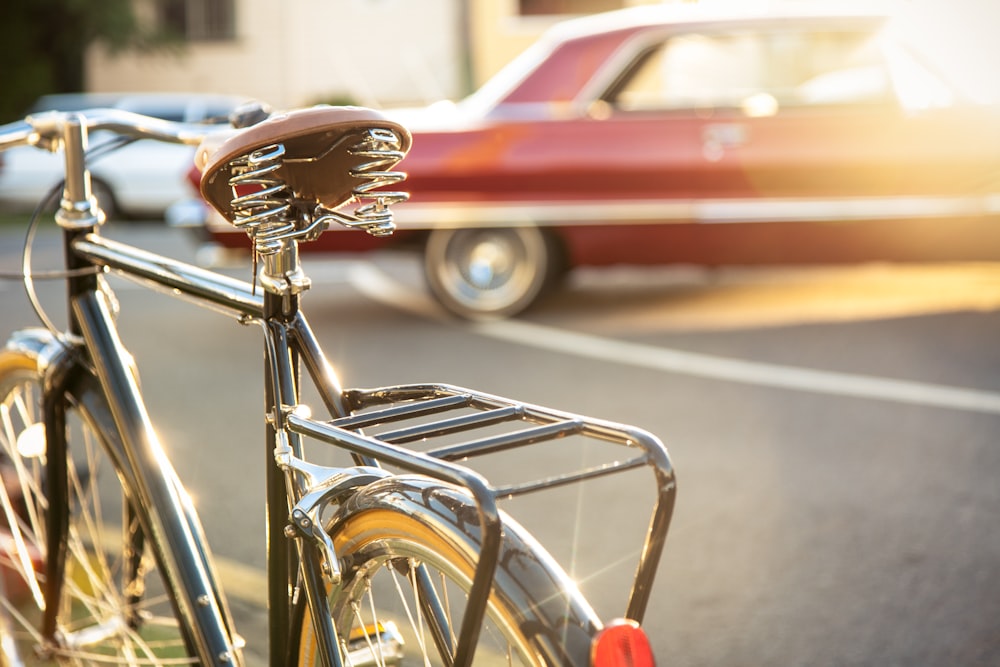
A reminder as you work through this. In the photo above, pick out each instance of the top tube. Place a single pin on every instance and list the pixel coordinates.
(45, 129)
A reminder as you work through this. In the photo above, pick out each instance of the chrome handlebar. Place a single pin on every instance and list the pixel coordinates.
(68, 132)
(19, 133)
(46, 130)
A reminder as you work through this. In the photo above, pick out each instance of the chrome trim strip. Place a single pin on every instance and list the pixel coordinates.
(415, 215)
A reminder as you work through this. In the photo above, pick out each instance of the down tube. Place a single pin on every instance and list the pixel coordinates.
(163, 513)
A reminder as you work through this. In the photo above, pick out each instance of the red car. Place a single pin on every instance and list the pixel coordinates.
(674, 134)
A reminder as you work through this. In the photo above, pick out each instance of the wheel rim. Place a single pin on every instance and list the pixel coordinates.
(97, 623)
(381, 610)
(487, 272)
(387, 594)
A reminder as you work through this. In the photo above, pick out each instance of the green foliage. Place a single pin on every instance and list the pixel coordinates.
(42, 45)
(337, 100)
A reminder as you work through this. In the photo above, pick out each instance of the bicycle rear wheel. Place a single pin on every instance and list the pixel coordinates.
(113, 608)
(409, 547)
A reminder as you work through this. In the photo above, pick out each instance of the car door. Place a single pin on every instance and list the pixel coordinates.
(805, 121)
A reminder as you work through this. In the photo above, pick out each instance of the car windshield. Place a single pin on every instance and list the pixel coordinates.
(500, 85)
(757, 71)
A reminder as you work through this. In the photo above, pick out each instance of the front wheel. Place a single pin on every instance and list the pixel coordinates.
(409, 548)
(113, 608)
(489, 273)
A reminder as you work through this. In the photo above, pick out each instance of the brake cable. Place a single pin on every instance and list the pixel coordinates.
(26, 275)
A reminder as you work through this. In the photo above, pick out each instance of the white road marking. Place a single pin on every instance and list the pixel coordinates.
(747, 372)
(377, 285)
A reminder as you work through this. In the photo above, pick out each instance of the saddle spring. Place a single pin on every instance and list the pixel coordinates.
(261, 203)
(382, 148)
(270, 213)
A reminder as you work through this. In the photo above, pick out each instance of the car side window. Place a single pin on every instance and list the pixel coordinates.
(216, 113)
(164, 110)
(756, 72)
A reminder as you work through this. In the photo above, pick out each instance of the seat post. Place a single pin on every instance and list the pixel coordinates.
(282, 274)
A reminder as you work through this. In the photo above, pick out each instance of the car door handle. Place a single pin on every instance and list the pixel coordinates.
(716, 138)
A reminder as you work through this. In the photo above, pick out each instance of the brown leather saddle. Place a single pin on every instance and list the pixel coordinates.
(319, 158)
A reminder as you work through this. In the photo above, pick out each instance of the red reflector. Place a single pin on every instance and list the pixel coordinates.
(622, 644)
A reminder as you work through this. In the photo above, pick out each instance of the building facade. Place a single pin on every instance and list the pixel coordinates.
(300, 52)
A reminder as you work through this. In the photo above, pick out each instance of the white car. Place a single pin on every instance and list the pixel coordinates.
(140, 179)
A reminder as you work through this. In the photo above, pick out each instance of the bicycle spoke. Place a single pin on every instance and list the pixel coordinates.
(104, 614)
(416, 625)
(15, 526)
(395, 577)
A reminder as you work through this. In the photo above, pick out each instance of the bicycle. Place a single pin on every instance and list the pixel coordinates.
(402, 557)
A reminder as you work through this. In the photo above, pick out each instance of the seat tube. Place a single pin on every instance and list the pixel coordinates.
(279, 556)
(283, 283)
(280, 385)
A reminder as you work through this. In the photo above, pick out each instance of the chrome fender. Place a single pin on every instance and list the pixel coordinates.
(550, 610)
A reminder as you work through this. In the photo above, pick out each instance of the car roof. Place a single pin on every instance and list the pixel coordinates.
(192, 107)
(73, 101)
(171, 106)
(685, 14)
(528, 78)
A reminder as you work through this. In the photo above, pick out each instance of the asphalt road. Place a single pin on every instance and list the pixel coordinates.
(835, 433)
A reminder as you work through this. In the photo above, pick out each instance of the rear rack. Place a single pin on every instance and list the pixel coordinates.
(455, 424)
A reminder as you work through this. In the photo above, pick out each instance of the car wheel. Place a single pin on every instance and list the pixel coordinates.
(105, 199)
(488, 273)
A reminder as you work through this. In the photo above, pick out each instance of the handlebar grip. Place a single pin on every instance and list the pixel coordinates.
(18, 133)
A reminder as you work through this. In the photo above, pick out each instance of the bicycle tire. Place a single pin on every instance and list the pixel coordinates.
(97, 622)
(536, 615)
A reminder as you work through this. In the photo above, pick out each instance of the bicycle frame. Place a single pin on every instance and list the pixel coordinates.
(296, 491)
(286, 344)
(163, 510)
(139, 457)
(289, 342)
